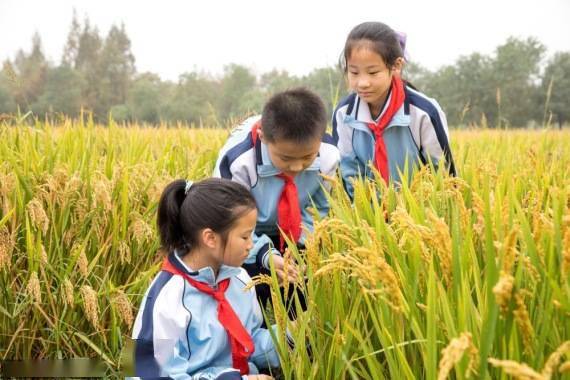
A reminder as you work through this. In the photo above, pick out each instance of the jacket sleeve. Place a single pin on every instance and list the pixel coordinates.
(265, 354)
(225, 170)
(237, 147)
(351, 167)
(261, 251)
(161, 347)
(217, 373)
(330, 155)
(434, 138)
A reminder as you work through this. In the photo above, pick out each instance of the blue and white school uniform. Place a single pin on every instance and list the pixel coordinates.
(416, 134)
(248, 163)
(178, 334)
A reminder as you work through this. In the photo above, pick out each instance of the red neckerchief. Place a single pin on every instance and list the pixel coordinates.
(288, 209)
(397, 96)
(241, 343)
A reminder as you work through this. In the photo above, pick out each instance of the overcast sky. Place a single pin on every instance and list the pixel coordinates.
(171, 37)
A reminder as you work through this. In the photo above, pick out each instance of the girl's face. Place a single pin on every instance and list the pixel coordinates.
(239, 240)
(369, 76)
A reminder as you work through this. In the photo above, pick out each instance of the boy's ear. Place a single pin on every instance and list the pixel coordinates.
(209, 238)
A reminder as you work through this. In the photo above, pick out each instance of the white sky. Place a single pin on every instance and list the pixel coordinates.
(170, 37)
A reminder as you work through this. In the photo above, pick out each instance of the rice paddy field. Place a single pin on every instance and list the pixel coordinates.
(465, 277)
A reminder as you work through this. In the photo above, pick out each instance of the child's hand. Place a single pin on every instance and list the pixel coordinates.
(292, 274)
(259, 377)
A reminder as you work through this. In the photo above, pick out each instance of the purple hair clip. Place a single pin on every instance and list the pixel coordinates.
(402, 37)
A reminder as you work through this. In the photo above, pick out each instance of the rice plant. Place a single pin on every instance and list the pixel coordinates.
(438, 277)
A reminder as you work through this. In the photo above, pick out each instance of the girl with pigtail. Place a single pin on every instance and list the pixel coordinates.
(198, 318)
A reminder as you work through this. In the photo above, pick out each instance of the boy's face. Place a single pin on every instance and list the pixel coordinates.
(291, 157)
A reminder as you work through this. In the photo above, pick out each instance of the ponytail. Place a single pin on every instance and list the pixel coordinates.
(169, 206)
(185, 209)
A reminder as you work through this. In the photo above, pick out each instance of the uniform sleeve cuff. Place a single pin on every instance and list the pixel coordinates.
(267, 255)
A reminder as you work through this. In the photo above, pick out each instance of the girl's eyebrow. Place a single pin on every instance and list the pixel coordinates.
(366, 67)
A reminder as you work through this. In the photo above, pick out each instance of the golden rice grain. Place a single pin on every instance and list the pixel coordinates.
(90, 305)
(82, 262)
(6, 248)
(33, 288)
(503, 291)
(103, 194)
(519, 371)
(43, 255)
(522, 319)
(442, 244)
(554, 359)
(509, 250)
(565, 267)
(564, 367)
(257, 280)
(124, 308)
(478, 209)
(140, 230)
(67, 293)
(73, 186)
(124, 252)
(7, 184)
(38, 215)
(454, 351)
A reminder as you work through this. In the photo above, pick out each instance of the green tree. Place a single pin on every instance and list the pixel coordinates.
(473, 92)
(7, 104)
(556, 86)
(71, 48)
(328, 83)
(416, 74)
(276, 81)
(516, 75)
(464, 90)
(62, 93)
(29, 74)
(192, 100)
(116, 67)
(240, 94)
(144, 98)
(120, 113)
(86, 53)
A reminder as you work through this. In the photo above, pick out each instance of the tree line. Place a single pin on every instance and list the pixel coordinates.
(512, 87)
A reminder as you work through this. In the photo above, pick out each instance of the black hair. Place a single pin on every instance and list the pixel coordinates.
(295, 115)
(214, 203)
(376, 36)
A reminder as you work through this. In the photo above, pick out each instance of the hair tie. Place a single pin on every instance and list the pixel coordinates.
(188, 186)
(402, 37)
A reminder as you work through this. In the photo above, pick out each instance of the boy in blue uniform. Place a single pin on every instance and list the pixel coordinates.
(280, 157)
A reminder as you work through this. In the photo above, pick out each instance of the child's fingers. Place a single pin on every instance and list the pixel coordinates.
(280, 275)
(293, 274)
(278, 261)
(290, 276)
